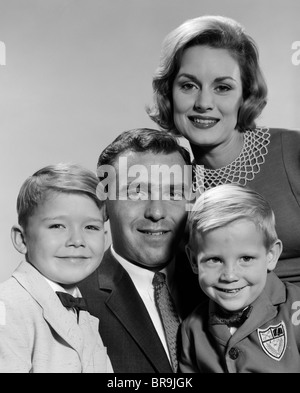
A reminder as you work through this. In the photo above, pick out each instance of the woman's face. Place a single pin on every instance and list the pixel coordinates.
(207, 94)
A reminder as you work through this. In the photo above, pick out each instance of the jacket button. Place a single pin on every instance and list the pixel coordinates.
(234, 353)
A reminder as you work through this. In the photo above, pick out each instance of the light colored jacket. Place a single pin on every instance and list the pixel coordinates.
(39, 335)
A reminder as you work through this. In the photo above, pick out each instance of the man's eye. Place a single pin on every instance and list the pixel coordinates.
(175, 193)
(137, 192)
(176, 196)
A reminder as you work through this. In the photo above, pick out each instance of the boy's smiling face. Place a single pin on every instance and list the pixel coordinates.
(233, 262)
(64, 237)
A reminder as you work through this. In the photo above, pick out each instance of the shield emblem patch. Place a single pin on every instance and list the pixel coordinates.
(273, 340)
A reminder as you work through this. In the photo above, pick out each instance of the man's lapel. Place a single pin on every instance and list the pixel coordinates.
(130, 310)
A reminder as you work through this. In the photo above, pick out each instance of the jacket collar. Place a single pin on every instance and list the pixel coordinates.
(264, 309)
(64, 322)
(126, 304)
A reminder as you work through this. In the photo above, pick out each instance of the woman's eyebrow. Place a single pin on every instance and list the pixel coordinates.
(188, 76)
(222, 78)
(195, 79)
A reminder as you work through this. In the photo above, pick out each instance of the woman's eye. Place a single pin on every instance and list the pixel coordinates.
(223, 88)
(188, 86)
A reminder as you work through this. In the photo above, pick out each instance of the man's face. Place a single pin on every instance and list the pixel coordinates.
(149, 221)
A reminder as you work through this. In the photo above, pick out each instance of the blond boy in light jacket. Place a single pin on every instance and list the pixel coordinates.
(61, 235)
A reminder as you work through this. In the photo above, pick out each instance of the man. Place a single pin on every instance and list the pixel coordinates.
(146, 191)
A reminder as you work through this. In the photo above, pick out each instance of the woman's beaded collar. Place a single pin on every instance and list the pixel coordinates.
(242, 170)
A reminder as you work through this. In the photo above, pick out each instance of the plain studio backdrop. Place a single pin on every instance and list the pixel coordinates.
(78, 72)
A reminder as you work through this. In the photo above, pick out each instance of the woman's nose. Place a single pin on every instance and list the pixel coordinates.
(204, 101)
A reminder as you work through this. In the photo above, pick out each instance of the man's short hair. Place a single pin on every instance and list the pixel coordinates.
(143, 140)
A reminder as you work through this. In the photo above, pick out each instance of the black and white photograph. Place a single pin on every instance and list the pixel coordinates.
(150, 189)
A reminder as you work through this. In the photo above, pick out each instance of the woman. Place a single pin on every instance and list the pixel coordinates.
(210, 89)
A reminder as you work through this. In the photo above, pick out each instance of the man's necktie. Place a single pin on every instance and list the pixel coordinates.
(234, 319)
(168, 314)
(70, 301)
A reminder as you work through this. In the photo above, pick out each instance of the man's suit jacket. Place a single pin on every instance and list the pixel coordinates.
(39, 335)
(125, 326)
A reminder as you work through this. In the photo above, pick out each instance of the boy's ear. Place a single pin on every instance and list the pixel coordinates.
(274, 254)
(192, 258)
(18, 239)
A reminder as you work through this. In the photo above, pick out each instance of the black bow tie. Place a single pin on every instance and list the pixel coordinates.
(222, 317)
(70, 301)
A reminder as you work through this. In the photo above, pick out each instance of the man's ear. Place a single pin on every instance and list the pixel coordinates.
(105, 212)
(192, 258)
(274, 254)
(18, 239)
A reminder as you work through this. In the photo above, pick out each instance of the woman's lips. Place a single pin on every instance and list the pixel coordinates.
(203, 122)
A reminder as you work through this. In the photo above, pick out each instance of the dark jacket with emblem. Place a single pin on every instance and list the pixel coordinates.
(267, 342)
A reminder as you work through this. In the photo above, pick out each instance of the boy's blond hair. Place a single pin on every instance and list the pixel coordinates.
(64, 178)
(227, 203)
